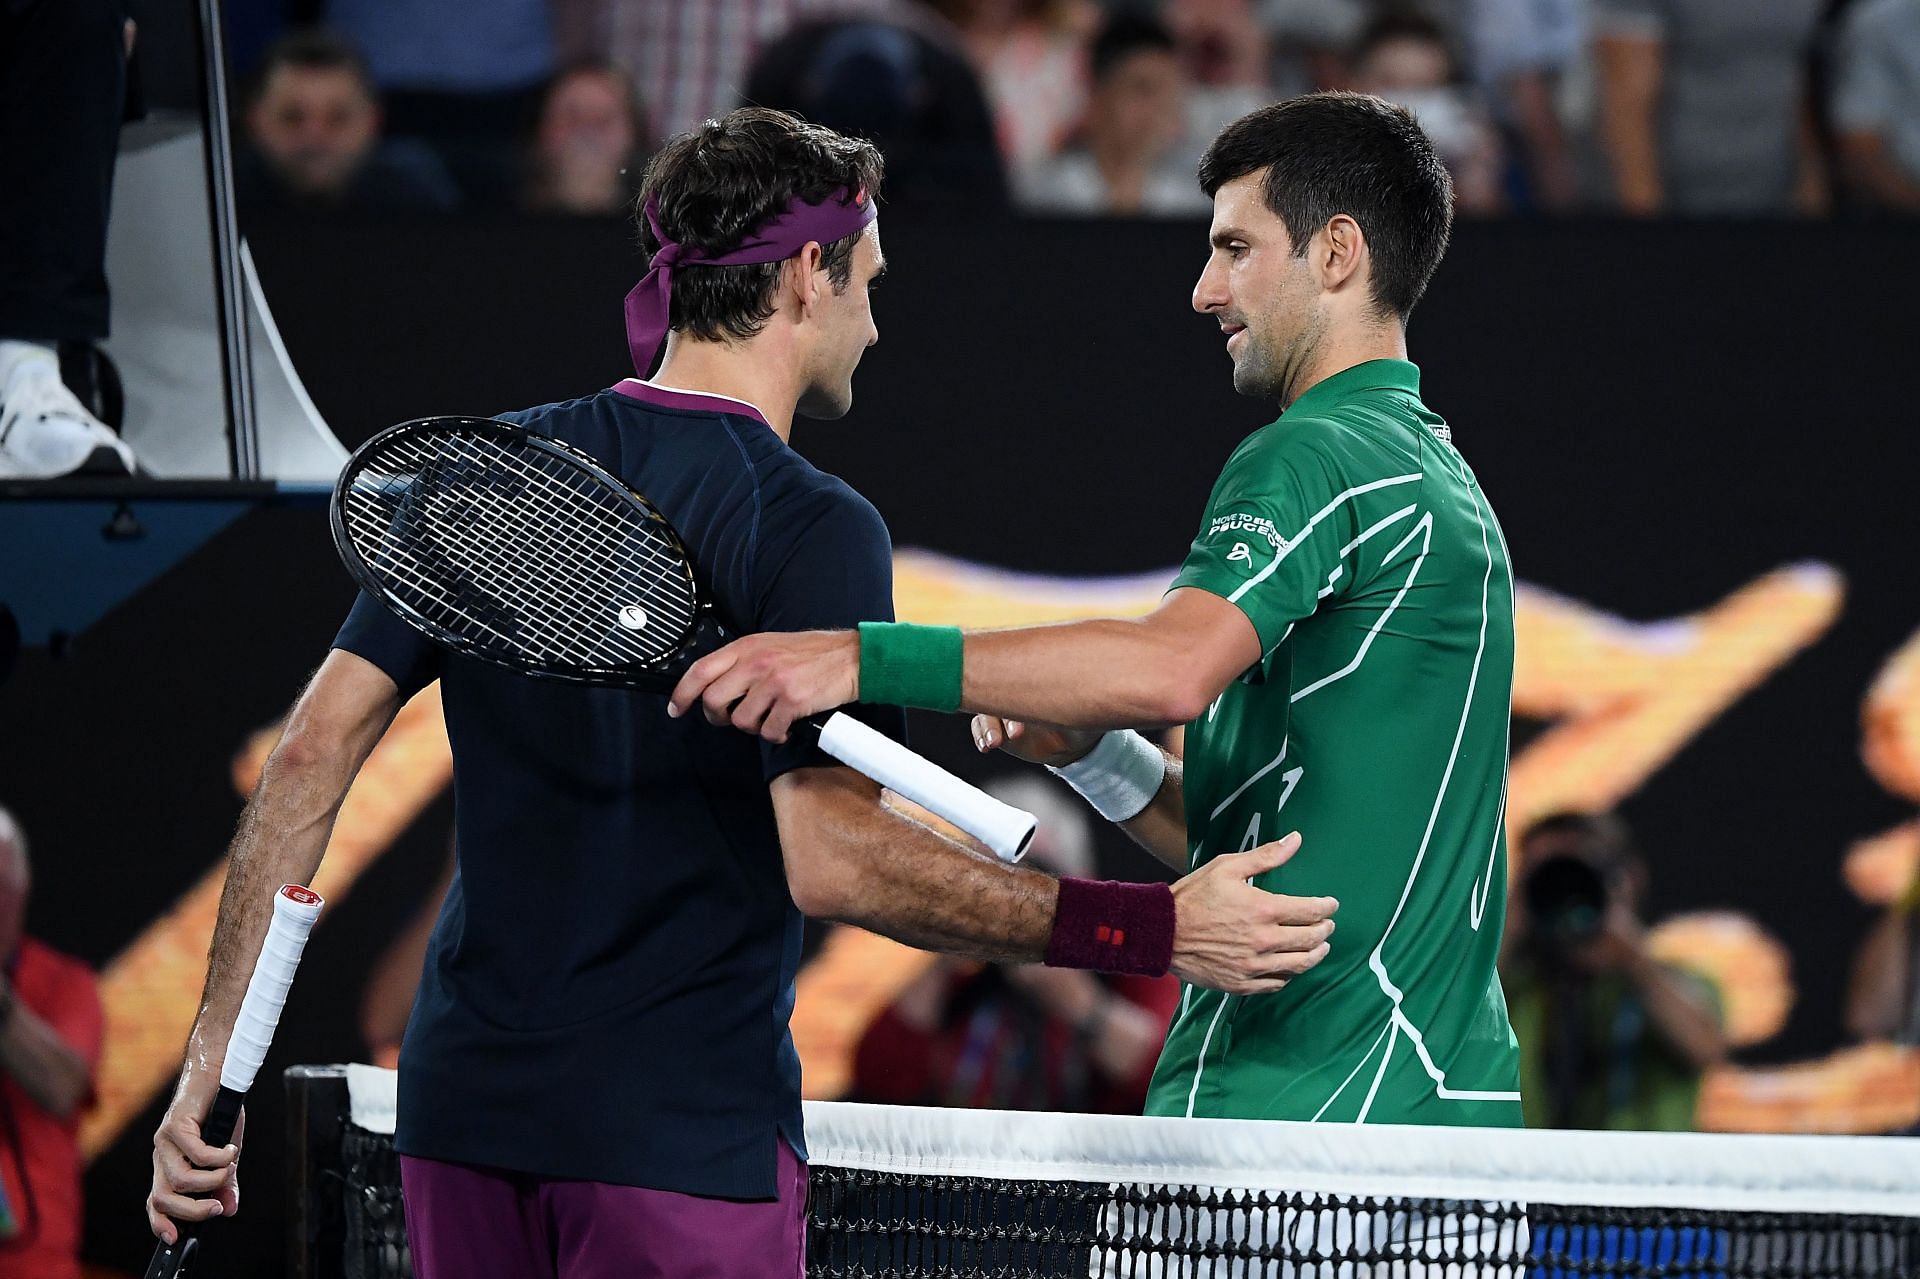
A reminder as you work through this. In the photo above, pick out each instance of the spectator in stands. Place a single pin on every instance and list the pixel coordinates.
(314, 133)
(1704, 108)
(1227, 58)
(899, 76)
(63, 77)
(1876, 104)
(1021, 1036)
(691, 57)
(1404, 58)
(1523, 54)
(1126, 160)
(50, 1029)
(1610, 1036)
(462, 76)
(1308, 42)
(587, 143)
(1032, 56)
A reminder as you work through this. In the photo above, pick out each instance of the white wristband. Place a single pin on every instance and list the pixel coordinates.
(1120, 776)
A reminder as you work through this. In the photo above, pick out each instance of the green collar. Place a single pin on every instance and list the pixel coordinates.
(1374, 375)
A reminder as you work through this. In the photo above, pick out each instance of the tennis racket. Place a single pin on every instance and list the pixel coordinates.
(505, 545)
(295, 908)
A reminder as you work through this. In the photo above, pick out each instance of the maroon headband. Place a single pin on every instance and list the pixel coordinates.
(648, 305)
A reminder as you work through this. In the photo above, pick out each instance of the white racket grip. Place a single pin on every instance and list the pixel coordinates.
(295, 908)
(1002, 827)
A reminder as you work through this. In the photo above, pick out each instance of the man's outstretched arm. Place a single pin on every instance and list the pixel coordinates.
(850, 857)
(1162, 669)
(333, 728)
(1160, 827)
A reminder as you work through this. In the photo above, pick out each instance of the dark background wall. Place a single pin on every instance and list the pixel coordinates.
(1659, 413)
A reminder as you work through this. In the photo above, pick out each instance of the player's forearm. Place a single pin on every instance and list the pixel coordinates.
(1100, 674)
(890, 874)
(45, 1066)
(283, 834)
(1161, 828)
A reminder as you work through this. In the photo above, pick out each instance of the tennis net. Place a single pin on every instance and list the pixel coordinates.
(940, 1194)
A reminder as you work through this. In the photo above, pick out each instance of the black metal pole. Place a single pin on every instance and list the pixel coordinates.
(230, 292)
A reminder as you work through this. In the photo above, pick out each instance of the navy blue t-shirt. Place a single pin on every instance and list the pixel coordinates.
(607, 991)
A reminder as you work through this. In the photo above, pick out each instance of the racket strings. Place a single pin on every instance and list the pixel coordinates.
(521, 548)
(515, 557)
(512, 551)
(510, 605)
(662, 565)
(449, 614)
(433, 587)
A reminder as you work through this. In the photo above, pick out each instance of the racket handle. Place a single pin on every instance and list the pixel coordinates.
(1002, 827)
(295, 908)
(172, 1260)
(217, 1130)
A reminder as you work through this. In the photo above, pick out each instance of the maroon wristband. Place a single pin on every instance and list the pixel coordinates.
(1112, 927)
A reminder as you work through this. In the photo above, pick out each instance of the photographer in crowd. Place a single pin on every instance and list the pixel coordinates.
(1610, 1037)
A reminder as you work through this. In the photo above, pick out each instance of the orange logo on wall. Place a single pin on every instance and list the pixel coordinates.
(1621, 698)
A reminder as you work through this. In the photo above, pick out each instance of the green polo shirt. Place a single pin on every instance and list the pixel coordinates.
(1358, 543)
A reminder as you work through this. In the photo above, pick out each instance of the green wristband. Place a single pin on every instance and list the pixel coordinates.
(906, 665)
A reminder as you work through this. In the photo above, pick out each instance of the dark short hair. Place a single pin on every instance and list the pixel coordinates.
(314, 49)
(718, 182)
(1126, 34)
(1330, 153)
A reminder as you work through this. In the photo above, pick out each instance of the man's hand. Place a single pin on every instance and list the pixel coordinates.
(1035, 743)
(185, 1168)
(763, 683)
(1231, 936)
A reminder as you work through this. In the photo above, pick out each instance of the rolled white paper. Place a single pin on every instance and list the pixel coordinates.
(1002, 827)
(295, 908)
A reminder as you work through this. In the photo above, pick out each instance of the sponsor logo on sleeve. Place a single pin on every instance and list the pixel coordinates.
(1258, 525)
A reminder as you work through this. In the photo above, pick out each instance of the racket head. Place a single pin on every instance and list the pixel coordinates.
(508, 546)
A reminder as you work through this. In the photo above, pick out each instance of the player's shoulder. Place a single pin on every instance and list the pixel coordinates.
(546, 418)
(802, 496)
(1305, 444)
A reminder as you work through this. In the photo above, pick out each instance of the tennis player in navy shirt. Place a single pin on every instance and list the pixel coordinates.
(598, 1079)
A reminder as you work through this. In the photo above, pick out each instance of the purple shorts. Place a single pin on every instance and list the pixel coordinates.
(472, 1223)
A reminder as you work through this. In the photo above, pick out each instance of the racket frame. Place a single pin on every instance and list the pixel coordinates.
(703, 633)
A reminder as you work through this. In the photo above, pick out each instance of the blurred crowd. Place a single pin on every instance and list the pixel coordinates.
(1742, 108)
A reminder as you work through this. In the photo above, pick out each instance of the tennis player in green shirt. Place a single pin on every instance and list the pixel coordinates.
(1339, 644)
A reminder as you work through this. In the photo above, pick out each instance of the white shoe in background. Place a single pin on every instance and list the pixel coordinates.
(45, 431)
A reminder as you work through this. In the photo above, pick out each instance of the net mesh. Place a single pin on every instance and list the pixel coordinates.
(510, 548)
(900, 1193)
